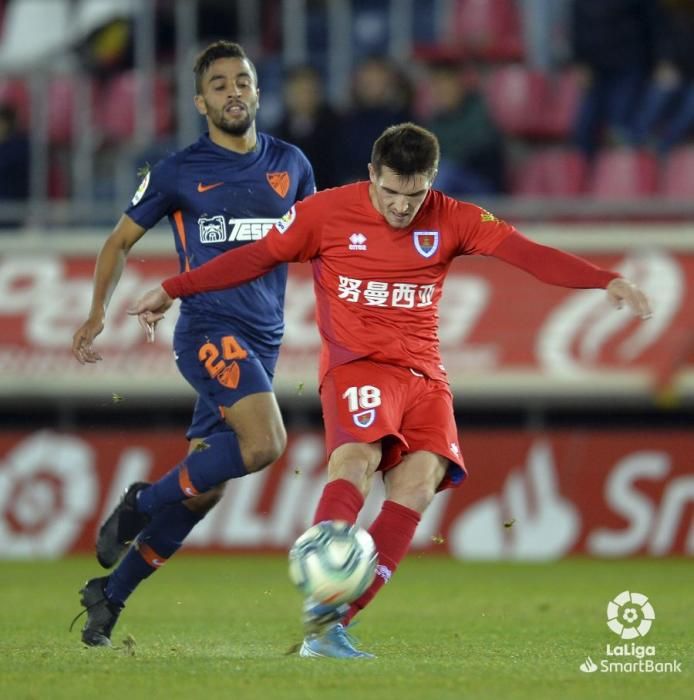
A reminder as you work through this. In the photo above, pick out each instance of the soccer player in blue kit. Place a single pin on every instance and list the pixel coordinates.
(221, 192)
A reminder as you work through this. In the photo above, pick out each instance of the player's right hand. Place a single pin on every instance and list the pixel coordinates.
(82, 341)
(150, 309)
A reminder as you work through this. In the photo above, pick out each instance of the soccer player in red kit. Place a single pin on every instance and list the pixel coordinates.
(380, 251)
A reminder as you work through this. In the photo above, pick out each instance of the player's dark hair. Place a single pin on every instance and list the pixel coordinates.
(406, 149)
(218, 49)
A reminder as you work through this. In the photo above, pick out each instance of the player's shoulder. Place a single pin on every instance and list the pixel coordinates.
(286, 149)
(170, 163)
(166, 170)
(332, 198)
(450, 205)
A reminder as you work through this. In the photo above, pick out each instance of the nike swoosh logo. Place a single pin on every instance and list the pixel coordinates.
(204, 188)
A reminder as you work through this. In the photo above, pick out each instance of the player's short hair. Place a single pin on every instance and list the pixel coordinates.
(407, 149)
(219, 49)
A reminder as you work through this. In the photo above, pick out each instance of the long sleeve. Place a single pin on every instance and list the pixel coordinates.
(230, 269)
(551, 265)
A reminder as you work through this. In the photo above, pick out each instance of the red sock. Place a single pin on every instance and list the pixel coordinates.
(392, 531)
(341, 500)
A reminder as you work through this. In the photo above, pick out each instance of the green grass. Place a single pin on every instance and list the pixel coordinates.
(220, 627)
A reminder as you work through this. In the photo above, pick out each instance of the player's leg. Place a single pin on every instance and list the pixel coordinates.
(237, 382)
(256, 439)
(241, 390)
(350, 470)
(361, 406)
(104, 598)
(164, 534)
(361, 403)
(248, 419)
(162, 537)
(434, 462)
(410, 487)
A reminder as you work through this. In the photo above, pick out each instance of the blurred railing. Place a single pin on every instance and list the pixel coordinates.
(87, 141)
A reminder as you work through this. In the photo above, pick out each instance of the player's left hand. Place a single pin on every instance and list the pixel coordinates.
(150, 309)
(621, 292)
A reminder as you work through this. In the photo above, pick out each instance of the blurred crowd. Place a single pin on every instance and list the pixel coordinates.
(629, 65)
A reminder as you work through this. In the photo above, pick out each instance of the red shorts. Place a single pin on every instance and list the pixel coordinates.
(366, 401)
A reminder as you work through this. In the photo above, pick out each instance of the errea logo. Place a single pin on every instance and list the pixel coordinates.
(357, 241)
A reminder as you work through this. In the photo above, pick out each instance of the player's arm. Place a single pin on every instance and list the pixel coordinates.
(565, 270)
(109, 266)
(231, 269)
(295, 238)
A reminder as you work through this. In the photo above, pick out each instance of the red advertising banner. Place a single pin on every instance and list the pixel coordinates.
(530, 496)
(502, 332)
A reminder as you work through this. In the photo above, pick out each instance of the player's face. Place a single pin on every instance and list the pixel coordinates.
(398, 198)
(229, 95)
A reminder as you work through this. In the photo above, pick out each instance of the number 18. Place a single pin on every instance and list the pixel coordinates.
(362, 397)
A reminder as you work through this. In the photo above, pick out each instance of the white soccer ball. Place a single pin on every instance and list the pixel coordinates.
(333, 562)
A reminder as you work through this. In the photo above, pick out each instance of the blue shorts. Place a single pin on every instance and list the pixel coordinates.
(222, 367)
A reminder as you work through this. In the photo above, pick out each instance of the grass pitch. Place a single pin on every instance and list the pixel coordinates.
(220, 627)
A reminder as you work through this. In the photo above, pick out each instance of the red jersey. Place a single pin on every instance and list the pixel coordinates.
(377, 287)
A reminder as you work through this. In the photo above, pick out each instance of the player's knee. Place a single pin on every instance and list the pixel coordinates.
(416, 494)
(416, 498)
(257, 456)
(354, 470)
(204, 502)
(356, 463)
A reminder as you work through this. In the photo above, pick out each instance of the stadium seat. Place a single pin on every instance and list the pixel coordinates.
(517, 99)
(116, 108)
(61, 109)
(624, 173)
(15, 93)
(677, 181)
(488, 29)
(531, 104)
(562, 96)
(58, 177)
(553, 172)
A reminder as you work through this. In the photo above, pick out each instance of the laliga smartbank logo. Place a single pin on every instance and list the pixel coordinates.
(630, 615)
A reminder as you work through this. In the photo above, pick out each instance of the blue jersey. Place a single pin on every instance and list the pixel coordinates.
(215, 200)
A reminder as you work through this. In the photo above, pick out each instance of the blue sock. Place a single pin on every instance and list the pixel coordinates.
(154, 545)
(217, 459)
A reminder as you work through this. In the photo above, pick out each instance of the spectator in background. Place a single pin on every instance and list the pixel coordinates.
(381, 96)
(544, 24)
(473, 147)
(108, 49)
(14, 160)
(612, 43)
(666, 116)
(310, 123)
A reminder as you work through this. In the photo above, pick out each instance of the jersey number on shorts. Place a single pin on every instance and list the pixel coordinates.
(368, 399)
(226, 374)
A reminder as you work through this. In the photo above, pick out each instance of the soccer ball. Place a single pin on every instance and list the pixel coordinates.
(333, 562)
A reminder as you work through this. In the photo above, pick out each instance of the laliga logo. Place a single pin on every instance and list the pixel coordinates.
(630, 615)
(48, 487)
